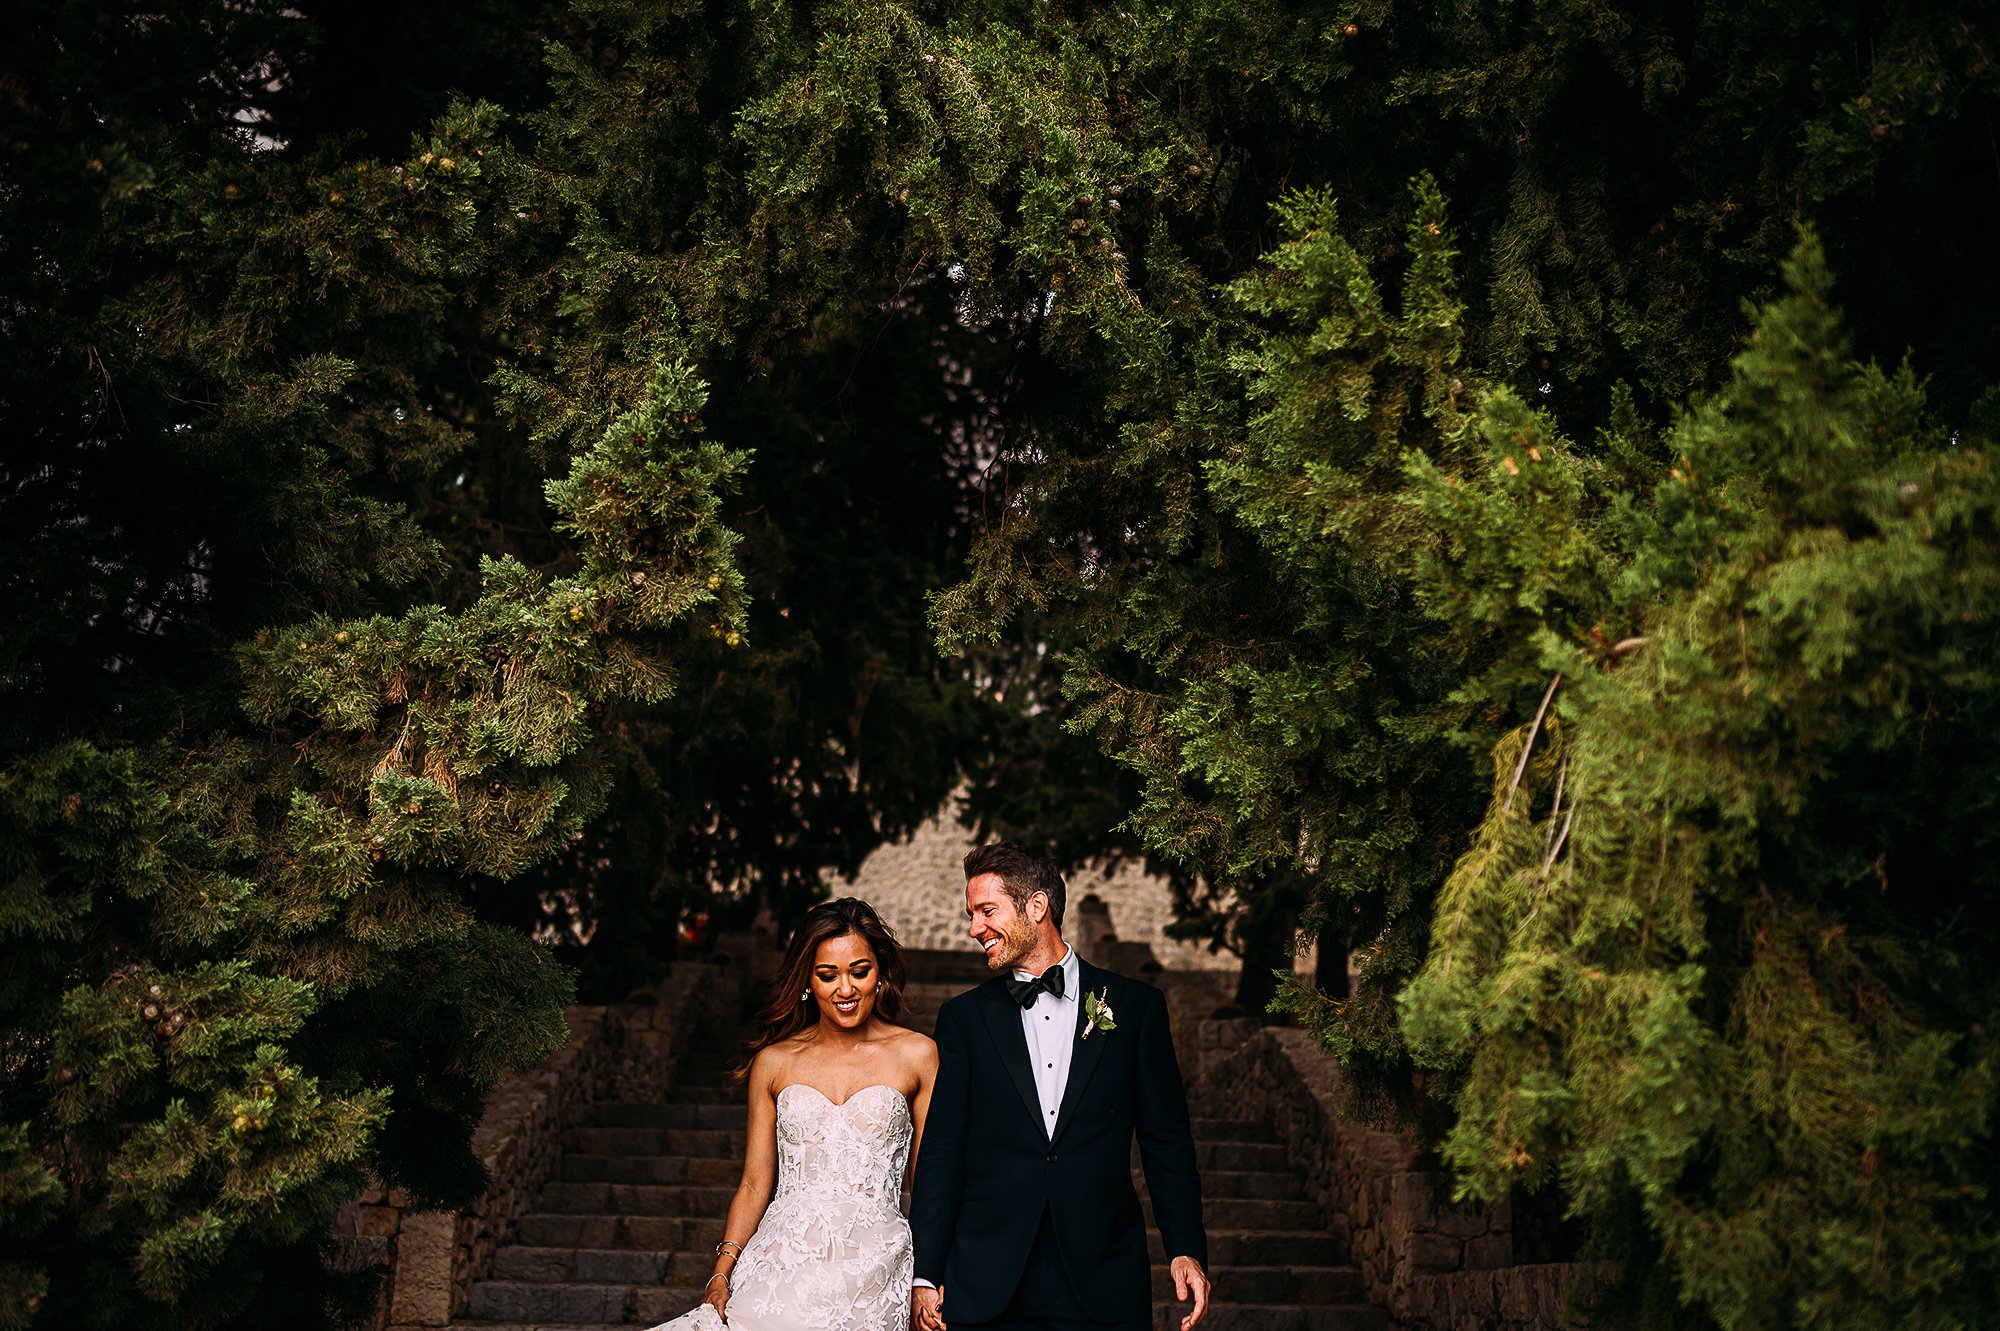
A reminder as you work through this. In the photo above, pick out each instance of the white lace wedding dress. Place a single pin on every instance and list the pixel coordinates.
(832, 1252)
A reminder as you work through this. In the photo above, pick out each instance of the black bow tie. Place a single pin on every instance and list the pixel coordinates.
(1025, 992)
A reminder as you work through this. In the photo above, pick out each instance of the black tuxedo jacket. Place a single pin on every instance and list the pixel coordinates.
(986, 1170)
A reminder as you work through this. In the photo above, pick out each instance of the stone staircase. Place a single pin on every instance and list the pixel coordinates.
(624, 1236)
(1275, 1265)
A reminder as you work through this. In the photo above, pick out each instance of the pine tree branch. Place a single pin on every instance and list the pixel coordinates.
(1528, 744)
(1562, 777)
(1561, 838)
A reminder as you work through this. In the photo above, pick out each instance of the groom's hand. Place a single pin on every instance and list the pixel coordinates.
(927, 1309)
(1189, 1281)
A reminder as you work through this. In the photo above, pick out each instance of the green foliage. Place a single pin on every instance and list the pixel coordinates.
(1714, 953)
(251, 770)
(377, 590)
(280, 960)
(1279, 738)
(1301, 539)
(831, 340)
(384, 584)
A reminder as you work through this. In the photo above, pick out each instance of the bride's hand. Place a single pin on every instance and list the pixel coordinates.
(717, 1295)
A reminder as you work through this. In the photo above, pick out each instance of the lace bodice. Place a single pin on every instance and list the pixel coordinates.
(832, 1252)
(846, 1152)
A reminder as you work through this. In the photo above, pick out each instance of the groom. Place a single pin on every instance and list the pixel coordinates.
(1024, 1215)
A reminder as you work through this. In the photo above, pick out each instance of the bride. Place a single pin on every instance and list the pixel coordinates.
(815, 1239)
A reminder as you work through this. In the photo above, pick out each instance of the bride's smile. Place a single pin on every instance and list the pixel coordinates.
(845, 977)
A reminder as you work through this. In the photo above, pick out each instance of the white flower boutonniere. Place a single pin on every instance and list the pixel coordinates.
(1097, 1013)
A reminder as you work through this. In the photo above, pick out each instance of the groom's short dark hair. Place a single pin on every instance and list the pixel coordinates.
(1022, 872)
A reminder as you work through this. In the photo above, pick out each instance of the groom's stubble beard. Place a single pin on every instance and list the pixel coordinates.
(1017, 940)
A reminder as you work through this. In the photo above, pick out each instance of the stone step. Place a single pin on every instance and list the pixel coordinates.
(579, 1168)
(649, 1232)
(1255, 1183)
(518, 1263)
(636, 1199)
(1274, 1317)
(1232, 1130)
(464, 1325)
(587, 1266)
(696, 1236)
(1256, 1247)
(625, 1234)
(647, 1308)
(1273, 1284)
(723, 1170)
(1253, 1214)
(558, 1303)
(1167, 1317)
(727, 1117)
(1213, 1155)
(706, 1143)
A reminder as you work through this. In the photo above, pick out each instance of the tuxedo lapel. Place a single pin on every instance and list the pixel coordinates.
(1003, 1022)
(1084, 1057)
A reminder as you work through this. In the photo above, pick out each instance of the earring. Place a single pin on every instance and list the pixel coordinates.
(804, 994)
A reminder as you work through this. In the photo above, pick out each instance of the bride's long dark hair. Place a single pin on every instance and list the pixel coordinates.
(784, 1014)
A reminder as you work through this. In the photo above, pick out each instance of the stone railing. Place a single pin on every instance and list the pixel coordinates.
(1434, 1265)
(628, 1051)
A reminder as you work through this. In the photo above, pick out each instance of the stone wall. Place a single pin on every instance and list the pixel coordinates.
(1434, 1265)
(624, 1052)
(918, 887)
(1201, 1039)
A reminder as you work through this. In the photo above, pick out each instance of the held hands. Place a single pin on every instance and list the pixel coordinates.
(1189, 1281)
(927, 1309)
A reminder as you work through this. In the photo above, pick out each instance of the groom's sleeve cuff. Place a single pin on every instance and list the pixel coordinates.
(920, 1283)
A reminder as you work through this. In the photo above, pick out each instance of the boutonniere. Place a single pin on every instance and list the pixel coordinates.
(1097, 1013)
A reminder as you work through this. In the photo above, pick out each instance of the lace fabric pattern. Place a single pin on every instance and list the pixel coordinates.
(832, 1252)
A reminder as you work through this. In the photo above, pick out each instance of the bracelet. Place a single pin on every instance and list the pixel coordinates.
(719, 1275)
(729, 1243)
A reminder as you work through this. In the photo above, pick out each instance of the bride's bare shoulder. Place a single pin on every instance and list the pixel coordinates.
(915, 1048)
(772, 1064)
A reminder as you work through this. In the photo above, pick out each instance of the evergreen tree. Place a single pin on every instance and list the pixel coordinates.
(248, 764)
(1717, 957)
(833, 726)
(1063, 293)
(1257, 622)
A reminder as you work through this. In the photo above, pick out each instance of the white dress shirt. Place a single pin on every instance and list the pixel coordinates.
(1050, 1025)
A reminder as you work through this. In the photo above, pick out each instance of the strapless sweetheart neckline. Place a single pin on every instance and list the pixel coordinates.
(839, 1104)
